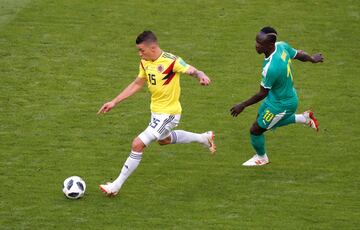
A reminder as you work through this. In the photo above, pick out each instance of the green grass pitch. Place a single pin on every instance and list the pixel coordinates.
(61, 60)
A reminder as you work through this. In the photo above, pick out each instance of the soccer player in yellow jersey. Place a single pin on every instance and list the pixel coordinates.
(161, 71)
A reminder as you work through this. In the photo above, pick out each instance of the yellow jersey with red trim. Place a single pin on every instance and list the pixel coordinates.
(163, 78)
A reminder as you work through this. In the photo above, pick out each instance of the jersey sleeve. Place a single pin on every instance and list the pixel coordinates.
(180, 66)
(142, 73)
(292, 52)
(268, 78)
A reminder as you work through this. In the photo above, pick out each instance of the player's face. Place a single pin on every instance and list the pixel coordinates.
(259, 45)
(145, 50)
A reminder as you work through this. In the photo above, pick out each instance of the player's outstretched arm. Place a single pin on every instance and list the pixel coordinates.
(304, 57)
(203, 79)
(132, 88)
(237, 109)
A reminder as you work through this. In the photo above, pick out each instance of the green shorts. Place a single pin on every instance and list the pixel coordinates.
(269, 116)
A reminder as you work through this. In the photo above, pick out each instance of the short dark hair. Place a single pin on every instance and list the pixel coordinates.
(146, 36)
(272, 34)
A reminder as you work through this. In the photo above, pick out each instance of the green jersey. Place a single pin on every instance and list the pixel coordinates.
(278, 78)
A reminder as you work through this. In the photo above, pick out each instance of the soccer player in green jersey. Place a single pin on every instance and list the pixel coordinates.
(277, 88)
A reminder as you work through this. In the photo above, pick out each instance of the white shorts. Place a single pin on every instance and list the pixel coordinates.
(159, 127)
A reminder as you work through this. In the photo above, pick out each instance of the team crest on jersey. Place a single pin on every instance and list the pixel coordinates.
(160, 68)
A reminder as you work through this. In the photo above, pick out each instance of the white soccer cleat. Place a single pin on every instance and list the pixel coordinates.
(108, 190)
(311, 120)
(210, 137)
(257, 160)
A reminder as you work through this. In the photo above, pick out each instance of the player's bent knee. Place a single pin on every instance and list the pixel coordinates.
(165, 141)
(162, 142)
(138, 145)
(256, 129)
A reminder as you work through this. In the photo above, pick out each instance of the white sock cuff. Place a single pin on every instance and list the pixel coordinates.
(135, 155)
(173, 137)
(300, 118)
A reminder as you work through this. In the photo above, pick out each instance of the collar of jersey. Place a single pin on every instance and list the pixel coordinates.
(162, 52)
(268, 58)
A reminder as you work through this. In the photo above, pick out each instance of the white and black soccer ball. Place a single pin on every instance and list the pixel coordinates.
(74, 187)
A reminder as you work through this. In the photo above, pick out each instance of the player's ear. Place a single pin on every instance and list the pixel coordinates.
(153, 46)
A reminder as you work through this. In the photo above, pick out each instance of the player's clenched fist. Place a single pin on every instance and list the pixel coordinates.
(204, 80)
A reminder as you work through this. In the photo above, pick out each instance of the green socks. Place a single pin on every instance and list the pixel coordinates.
(258, 142)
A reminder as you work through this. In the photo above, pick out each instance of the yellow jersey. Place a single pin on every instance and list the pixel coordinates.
(163, 78)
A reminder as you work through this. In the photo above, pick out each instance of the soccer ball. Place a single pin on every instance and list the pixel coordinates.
(74, 187)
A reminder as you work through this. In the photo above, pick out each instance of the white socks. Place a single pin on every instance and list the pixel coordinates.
(132, 162)
(181, 136)
(300, 118)
(130, 165)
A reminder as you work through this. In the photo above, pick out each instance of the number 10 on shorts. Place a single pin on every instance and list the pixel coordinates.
(268, 116)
